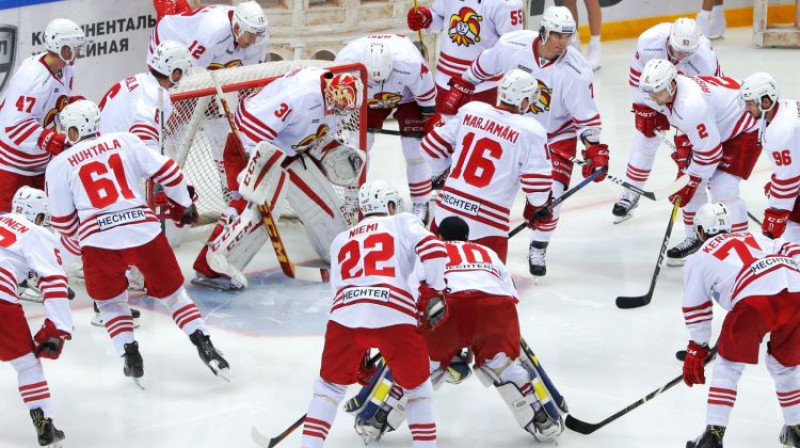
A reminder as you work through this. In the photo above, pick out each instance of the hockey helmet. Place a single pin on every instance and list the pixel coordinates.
(378, 60)
(657, 75)
(168, 57)
(84, 116)
(556, 19)
(344, 93)
(250, 18)
(760, 85)
(713, 218)
(516, 86)
(374, 198)
(31, 203)
(684, 38)
(61, 33)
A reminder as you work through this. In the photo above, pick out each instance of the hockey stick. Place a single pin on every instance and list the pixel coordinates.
(393, 132)
(627, 302)
(621, 182)
(557, 201)
(263, 441)
(288, 268)
(582, 427)
(420, 44)
(755, 220)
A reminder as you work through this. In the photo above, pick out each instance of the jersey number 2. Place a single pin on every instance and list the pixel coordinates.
(102, 190)
(377, 248)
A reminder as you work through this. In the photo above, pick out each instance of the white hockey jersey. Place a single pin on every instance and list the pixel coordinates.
(493, 152)
(653, 44)
(733, 266)
(289, 112)
(410, 80)
(25, 247)
(709, 111)
(473, 267)
(95, 195)
(373, 264)
(33, 97)
(566, 106)
(131, 105)
(781, 142)
(467, 28)
(207, 33)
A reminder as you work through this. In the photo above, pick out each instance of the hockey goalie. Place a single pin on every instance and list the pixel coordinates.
(286, 149)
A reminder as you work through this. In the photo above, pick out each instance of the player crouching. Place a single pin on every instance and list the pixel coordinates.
(481, 315)
(95, 195)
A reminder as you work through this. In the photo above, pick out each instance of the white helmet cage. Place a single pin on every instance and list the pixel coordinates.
(556, 19)
(31, 203)
(61, 33)
(169, 56)
(84, 116)
(250, 18)
(378, 60)
(374, 198)
(760, 85)
(684, 37)
(516, 86)
(657, 75)
(713, 218)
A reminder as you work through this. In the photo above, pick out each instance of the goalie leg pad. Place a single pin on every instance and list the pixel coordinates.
(546, 392)
(378, 407)
(228, 246)
(261, 181)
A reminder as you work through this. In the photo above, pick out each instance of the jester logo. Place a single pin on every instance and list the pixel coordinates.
(465, 27)
(308, 142)
(50, 116)
(8, 49)
(229, 64)
(385, 100)
(543, 103)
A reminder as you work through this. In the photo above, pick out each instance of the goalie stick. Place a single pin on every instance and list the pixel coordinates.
(557, 201)
(627, 302)
(582, 427)
(288, 268)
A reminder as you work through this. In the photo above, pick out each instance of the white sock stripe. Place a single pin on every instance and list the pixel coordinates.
(33, 392)
(316, 427)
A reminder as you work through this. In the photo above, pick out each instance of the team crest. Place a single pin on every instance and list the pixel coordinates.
(465, 27)
(309, 141)
(385, 100)
(8, 50)
(543, 103)
(50, 116)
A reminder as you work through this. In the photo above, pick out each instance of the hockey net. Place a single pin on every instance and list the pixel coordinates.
(196, 132)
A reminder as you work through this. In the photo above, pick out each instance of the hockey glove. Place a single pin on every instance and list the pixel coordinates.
(366, 370)
(460, 93)
(687, 193)
(532, 214)
(50, 340)
(774, 222)
(649, 121)
(184, 215)
(419, 17)
(596, 157)
(683, 153)
(75, 98)
(694, 364)
(437, 181)
(768, 189)
(51, 141)
(432, 306)
(432, 121)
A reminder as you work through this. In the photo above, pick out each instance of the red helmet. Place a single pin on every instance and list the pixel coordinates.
(344, 93)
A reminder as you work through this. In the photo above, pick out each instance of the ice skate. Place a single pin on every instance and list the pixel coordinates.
(623, 209)
(676, 256)
(97, 320)
(711, 438)
(536, 255)
(221, 283)
(544, 428)
(790, 436)
(47, 432)
(210, 355)
(134, 364)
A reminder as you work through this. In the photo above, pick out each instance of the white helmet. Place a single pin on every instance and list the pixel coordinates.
(374, 197)
(713, 219)
(61, 33)
(250, 18)
(684, 38)
(31, 203)
(516, 86)
(82, 115)
(556, 19)
(760, 85)
(378, 60)
(169, 56)
(657, 75)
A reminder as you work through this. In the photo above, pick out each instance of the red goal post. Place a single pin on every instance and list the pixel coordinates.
(195, 134)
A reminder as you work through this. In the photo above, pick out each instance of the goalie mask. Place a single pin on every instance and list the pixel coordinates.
(713, 219)
(83, 116)
(374, 198)
(62, 33)
(344, 93)
(31, 203)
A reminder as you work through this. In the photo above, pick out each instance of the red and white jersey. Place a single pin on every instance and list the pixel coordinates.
(25, 247)
(493, 152)
(781, 142)
(709, 111)
(467, 28)
(131, 105)
(289, 112)
(33, 97)
(653, 44)
(94, 191)
(733, 266)
(208, 34)
(373, 265)
(410, 80)
(473, 267)
(566, 106)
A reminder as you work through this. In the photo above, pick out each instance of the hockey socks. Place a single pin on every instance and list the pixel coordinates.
(118, 320)
(184, 312)
(321, 413)
(33, 386)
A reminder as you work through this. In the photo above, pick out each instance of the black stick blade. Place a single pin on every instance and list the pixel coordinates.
(580, 426)
(633, 302)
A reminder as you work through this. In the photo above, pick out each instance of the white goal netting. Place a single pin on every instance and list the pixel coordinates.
(196, 132)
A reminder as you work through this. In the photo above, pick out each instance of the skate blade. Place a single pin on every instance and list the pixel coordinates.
(621, 219)
(139, 382)
(209, 283)
(222, 373)
(58, 444)
(675, 262)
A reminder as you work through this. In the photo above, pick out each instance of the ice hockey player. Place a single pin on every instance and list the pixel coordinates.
(757, 280)
(28, 247)
(481, 317)
(682, 44)
(490, 152)
(170, 7)
(94, 195)
(467, 27)
(566, 106)
(374, 307)
(39, 88)
(780, 138)
(721, 135)
(399, 81)
(289, 131)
